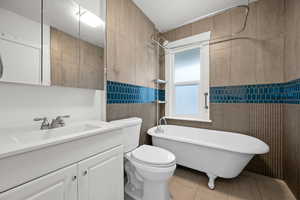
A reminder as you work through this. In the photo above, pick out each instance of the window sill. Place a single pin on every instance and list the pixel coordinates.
(190, 119)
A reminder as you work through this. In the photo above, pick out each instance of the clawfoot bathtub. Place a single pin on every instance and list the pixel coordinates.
(216, 153)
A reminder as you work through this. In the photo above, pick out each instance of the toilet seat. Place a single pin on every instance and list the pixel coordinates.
(153, 156)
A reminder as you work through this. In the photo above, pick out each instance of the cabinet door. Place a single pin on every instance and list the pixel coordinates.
(101, 177)
(28, 56)
(60, 185)
(21, 42)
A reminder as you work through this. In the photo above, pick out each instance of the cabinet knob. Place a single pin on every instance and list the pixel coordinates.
(85, 173)
(74, 178)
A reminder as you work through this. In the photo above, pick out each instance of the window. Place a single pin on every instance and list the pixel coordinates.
(187, 73)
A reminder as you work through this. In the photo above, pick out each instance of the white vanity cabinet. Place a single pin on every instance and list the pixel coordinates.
(60, 185)
(101, 176)
(95, 177)
(82, 161)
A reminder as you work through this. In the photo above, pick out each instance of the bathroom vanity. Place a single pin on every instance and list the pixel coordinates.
(80, 161)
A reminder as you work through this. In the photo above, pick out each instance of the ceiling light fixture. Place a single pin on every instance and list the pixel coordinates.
(89, 18)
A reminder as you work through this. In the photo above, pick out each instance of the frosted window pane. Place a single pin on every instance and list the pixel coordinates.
(187, 65)
(187, 100)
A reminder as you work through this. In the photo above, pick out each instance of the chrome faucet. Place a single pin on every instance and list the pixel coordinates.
(59, 121)
(55, 123)
(159, 129)
(45, 124)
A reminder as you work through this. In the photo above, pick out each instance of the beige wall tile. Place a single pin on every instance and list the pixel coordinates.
(243, 62)
(117, 111)
(217, 116)
(201, 26)
(220, 65)
(141, 66)
(221, 25)
(170, 35)
(292, 147)
(292, 48)
(125, 60)
(111, 50)
(270, 60)
(127, 19)
(56, 72)
(130, 56)
(270, 18)
(162, 67)
(183, 32)
(237, 118)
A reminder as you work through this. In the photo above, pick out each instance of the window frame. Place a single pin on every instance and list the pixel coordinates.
(196, 41)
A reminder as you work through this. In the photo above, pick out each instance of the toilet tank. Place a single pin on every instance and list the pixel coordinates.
(131, 128)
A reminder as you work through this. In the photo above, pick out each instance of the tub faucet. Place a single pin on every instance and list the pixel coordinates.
(159, 129)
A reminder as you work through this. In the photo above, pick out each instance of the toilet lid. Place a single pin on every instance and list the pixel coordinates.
(153, 155)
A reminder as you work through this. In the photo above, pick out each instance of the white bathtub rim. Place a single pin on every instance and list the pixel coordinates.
(262, 150)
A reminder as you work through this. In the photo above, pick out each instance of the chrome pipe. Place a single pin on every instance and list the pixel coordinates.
(217, 40)
(1, 67)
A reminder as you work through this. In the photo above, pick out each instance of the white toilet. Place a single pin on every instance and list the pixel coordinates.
(148, 168)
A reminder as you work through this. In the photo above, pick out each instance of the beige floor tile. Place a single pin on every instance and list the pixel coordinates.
(220, 192)
(187, 178)
(244, 187)
(181, 191)
(191, 185)
(273, 189)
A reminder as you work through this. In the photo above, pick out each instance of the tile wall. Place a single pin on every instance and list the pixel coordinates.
(132, 63)
(292, 111)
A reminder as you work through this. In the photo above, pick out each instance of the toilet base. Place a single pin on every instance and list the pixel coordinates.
(156, 190)
(138, 194)
(134, 194)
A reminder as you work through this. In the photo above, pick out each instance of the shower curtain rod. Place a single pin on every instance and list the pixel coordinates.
(210, 42)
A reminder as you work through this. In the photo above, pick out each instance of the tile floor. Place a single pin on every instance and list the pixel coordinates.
(192, 185)
(188, 184)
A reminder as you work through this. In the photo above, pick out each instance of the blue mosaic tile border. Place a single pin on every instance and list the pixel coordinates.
(286, 93)
(123, 93)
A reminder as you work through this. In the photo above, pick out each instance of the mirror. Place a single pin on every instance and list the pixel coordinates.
(76, 38)
(67, 49)
(20, 42)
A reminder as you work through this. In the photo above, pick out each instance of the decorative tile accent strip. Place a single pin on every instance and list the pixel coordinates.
(123, 93)
(288, 93)
(285, 93)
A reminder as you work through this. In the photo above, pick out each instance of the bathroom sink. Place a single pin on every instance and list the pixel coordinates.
(40, 135)
(23, 139)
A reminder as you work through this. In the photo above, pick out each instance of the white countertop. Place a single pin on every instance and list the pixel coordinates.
(19, 140)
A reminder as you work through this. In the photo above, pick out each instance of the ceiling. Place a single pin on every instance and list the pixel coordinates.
(167, 15)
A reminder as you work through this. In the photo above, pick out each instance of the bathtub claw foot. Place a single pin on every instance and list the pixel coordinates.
(211, 182)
